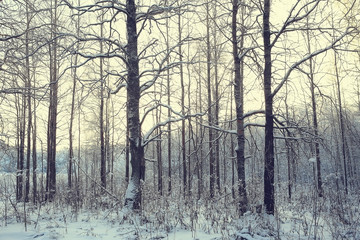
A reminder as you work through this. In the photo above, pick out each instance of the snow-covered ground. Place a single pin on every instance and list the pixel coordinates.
(53, 221)
(89, 226)
(336, 216)
(96, 229)
(64, 224)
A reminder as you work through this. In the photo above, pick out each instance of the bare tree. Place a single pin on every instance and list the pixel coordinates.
(29, 113)
(238, 55)
(341, 123)
(101, 112)
(72, 109)
(21, 145)
(52, 118)
(269, 198)
(168, 101)
(212, 162)
(34, 145)
(133, 192)
(314, 118)
(183, 133)
(297, 14)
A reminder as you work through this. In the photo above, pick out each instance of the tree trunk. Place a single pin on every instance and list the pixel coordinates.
(127, 151)
(239, 104)
(316, 134)
(71, 149)
(42, 171)
(51, 155)
(133, 192)
(112, 146)
(190, 127)
(232, 148)
(315, 121)
(288, 143)
(102, 140)
(29, 123)
(72, 111)
(199, 133)
(183, 149)
(34, 154)
(168, 102)
(107, 138)
(288, 146)
(217, 104)
(159, 150)
(208, 68)
(21, 146)
(269, 196)
(342, 126)
(78, 181)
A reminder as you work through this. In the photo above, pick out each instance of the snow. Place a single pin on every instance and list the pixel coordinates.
(185, 234)
(93, 228)
(174, 218)
(83, 230)
(131, 190)
(106, 224)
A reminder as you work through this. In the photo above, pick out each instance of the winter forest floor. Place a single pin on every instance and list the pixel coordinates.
(335, 216)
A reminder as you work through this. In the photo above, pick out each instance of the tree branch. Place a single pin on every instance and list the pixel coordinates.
(296, 64)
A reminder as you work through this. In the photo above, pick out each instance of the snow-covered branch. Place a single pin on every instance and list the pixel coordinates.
(118, 88)
(97, 6)
(293, 19)
(147, 139)
(296, 64)
(217, 128)
(161, 68)
(13, 91)
(147, 112)
(249, 114)
(232, 131)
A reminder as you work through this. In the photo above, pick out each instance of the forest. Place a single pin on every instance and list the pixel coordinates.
(179, 119)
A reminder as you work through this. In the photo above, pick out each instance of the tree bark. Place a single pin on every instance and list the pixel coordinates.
(159, 155)
(269, 196)
(72, 110)
(133, 192)
(208, 68)
(127, 151)
(315, 121)
(101, 112)
(52, 124)
(112, 146)
(29, 114)
(183, 148)
(71, 149)
(199, 132)
(217, 104)
(168, 102)
(34, 153)
(288, 144)
(342, 125)
(239, 105)
(21, 145)
(232, 148)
